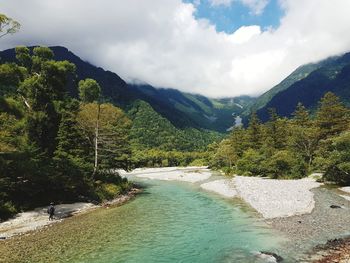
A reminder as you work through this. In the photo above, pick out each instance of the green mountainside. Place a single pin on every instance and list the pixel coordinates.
(307, 85)
(183, 110)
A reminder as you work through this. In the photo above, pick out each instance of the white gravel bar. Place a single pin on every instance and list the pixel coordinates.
(277, 198)
(224, 187)
(185, 174)
(345, 189)
(271, 198)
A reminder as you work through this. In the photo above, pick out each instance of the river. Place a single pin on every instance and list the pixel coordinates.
(168, 222)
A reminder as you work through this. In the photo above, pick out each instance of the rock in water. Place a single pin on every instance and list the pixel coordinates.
(270, 256)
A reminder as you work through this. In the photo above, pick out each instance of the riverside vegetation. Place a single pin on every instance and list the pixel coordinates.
(290, 148)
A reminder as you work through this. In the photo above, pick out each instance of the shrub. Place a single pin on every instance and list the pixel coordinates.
(7, 210)
(251, 163)
(338, 166)
(199, 162)
(286, 165)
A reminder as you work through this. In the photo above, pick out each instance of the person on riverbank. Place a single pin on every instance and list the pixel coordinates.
(51, 211)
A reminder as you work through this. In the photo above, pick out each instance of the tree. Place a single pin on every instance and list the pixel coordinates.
(276, 131)
(23, 57)
(304, 139)
(225, 154)
(254, 131)
(8, 25)
(89, 90)
(332, 116)
(111, 146)
(40, 90)
(337, 168)
(301, 116)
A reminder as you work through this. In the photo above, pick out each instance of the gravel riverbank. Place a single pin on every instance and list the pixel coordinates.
(323, 223)
(271, 198)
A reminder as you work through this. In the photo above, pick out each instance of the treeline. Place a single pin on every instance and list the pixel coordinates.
(290, 148)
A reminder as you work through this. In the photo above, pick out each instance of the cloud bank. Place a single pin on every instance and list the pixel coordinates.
(162, 43)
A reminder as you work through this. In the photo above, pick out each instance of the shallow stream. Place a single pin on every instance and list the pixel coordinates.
(168, 222)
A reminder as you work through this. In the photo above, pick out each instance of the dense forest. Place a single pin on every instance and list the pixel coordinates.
(290, 148)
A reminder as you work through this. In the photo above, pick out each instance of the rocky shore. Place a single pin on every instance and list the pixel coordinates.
(329, 219)
(335, 250)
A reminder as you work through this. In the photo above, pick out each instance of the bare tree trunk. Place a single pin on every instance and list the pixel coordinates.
(26, 102)
(96, 138)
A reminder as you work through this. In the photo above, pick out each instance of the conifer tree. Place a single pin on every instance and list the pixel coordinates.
(254, 133)
(332, 116)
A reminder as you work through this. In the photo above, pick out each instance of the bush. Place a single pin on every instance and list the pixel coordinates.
(228, 170)
(284, 164)
(7, 210)
(107, 191)
(338, 166)
(199, 162)
(251, 163)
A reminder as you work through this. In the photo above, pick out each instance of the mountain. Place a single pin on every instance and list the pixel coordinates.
(307, 85)
(183, 110)
(208, 113)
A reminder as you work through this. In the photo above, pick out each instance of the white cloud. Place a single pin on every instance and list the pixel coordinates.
(221, 2)
(162, 43)
(256, 6)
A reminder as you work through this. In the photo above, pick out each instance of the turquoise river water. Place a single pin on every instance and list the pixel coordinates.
(177, 222)
(168, 222)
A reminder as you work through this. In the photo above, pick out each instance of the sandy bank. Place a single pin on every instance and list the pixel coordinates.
(271, 198)
(38, 218)
(185, 174)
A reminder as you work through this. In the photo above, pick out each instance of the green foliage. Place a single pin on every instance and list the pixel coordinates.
(113, 135)
(285, 164)
(89, 90)
(23, 57)
(251, 163)
(337, 165)
(7, 209)
(332, 116)
(10, 76)
(254, 131)
(150, 130)
(282, 148)
(44, 151)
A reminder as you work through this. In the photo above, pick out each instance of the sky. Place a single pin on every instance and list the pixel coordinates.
(218, 48)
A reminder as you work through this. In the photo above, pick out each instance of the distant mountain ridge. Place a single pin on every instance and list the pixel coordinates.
(183, 110)
(307, 85)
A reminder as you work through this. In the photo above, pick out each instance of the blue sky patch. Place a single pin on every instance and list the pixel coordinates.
(229, 18)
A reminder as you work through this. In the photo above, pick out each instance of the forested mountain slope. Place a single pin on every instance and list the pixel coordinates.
(307, 85)
(183, 110)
